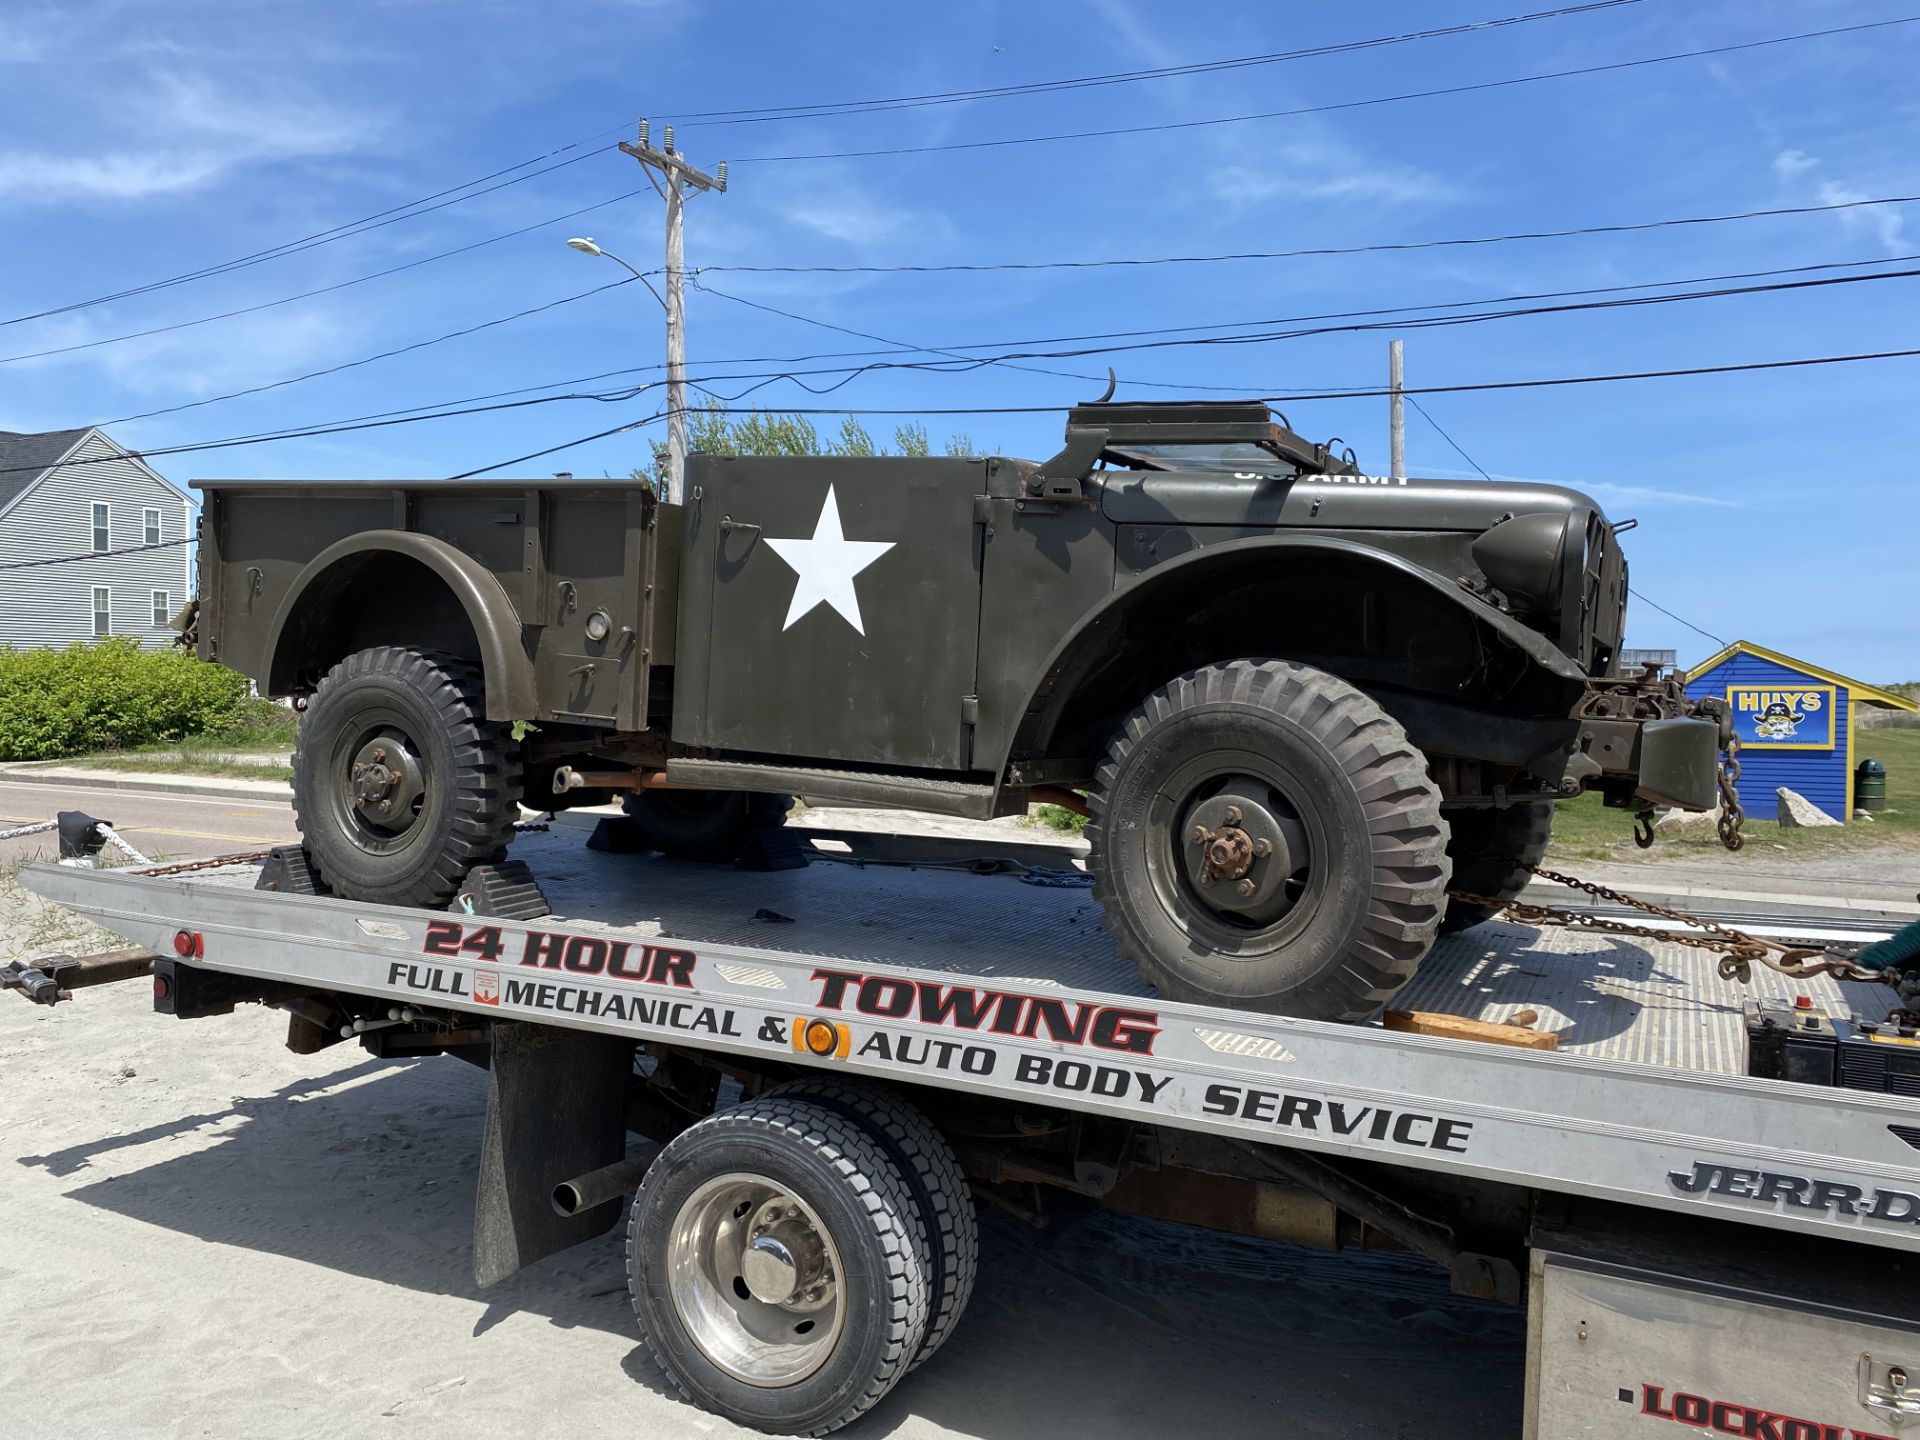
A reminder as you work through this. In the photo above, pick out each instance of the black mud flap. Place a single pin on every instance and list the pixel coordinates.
(556, 1108)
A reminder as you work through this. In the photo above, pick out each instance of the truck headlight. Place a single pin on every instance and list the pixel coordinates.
(1525, 557)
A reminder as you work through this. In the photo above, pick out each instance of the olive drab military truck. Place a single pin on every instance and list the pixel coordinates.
(1307, 710)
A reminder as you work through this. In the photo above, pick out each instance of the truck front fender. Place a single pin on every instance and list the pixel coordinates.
(1178, 582)
(496, 625)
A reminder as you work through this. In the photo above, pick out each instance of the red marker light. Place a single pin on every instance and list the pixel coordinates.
(1803, 1002)
(162, 987)
(188, 943)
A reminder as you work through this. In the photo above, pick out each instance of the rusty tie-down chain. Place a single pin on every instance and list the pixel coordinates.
(1739, 950)
(1732, 817)
(250, 857)
(187, 867)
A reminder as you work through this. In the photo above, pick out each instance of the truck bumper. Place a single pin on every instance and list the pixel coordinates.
(1680, 763)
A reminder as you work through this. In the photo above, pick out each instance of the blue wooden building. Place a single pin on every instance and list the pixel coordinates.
(1795, 723)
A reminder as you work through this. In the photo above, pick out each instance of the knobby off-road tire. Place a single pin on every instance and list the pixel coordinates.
(1347, 898)
(779, 1365)
(1491, 850)
(710, 826)
(933, 1174)
(403, 732)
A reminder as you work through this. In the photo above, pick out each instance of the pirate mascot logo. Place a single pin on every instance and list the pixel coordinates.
(1778, 721)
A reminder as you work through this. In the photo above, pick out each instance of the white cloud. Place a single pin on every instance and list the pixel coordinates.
(1126, 26)
(1652, 495)
(209, 131)
(1792, 164)
(1324, 168)
(1605, 490)
(1800, 170)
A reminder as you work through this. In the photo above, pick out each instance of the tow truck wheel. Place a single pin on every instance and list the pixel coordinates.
(1264, 836)
(775, 1259)
(401, 785)
(1491, 850)
(705, 825)
(933, 1174)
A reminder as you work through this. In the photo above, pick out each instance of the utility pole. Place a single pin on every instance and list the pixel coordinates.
(1397, 407)
(676, 179)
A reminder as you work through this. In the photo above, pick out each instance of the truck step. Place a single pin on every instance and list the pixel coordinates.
(968, 799)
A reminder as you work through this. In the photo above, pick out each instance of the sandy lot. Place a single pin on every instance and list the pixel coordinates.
(206, 1236)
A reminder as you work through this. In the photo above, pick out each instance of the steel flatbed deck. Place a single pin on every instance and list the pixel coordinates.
(991, 985)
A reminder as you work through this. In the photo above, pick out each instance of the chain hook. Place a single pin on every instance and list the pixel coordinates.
(1732, 817)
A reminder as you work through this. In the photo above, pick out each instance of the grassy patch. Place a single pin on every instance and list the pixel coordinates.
(172, 763)
(34, 928)
(1056, 817)
(1586, 829)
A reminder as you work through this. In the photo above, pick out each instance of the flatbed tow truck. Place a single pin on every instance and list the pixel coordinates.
(832, 1060)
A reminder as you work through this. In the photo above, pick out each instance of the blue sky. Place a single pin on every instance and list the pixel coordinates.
(138, 141)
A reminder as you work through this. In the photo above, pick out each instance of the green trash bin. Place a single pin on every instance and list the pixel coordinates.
(1870, 786)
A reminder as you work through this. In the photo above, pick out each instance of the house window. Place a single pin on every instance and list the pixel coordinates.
(150, 527)
(162, 609)
(102, 609)
(100, 514)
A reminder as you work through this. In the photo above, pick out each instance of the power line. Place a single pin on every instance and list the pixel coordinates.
(1373, 313)
(441, 199)
(96, 554)
(964, 362)
(324, 289)
(1390, 320)
(902, 347)
(367, 359)
(1671, 616)
(378, 220)
(1322, 250)
(954, 362)
(1445, 436)
(1369, 394)
(831, 109)
(1438, 92)
(1310, 395)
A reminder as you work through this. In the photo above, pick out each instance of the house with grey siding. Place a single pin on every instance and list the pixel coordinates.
(123, 538)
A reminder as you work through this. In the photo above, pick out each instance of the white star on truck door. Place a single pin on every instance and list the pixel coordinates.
(825, 565)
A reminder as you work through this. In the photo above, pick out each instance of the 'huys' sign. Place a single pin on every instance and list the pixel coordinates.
(1783, 717)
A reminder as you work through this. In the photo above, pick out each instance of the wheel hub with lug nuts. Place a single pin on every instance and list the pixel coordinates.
(1238, 856)
(383, 782)
(755, 1279)
(784, 1262)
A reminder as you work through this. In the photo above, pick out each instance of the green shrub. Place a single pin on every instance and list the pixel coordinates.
(109, 696)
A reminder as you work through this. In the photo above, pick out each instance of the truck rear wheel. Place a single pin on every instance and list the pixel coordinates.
(705, 825)
(774, 1254)
(400, 783)
(934, 1175)
(1265, 836)
(1491, 851)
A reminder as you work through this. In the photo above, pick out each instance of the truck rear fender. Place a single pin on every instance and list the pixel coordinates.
(323, 619)
(1091, 679)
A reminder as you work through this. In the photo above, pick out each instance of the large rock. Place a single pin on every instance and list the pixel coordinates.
(1798, 812)
(1688, 822)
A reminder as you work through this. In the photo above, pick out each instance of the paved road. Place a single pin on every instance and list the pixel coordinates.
(172, 827)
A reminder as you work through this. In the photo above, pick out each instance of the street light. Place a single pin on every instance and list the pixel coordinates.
(586, 246)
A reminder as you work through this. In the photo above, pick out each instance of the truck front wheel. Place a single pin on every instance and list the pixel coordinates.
(1265, 836)
(400, 783)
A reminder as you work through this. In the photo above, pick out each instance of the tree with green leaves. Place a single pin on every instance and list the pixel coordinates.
(714, 430)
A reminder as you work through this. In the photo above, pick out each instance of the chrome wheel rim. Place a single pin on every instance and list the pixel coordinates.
(755, 1278)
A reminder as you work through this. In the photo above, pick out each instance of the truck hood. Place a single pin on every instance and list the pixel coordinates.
(1334, 502)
